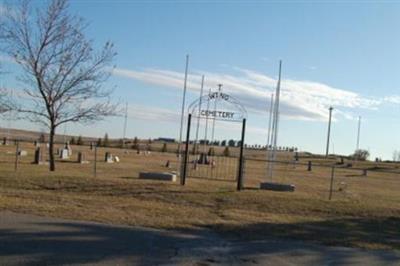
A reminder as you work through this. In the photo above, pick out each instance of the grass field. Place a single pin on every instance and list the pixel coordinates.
(364, 210)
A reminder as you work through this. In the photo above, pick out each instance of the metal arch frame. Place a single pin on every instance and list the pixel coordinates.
(221, 96)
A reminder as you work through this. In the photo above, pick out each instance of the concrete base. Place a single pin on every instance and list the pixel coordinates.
(277, 186)
(158, 176)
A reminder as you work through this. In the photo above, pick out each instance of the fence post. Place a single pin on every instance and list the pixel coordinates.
(309, 166)
(183, 176)
(16, 156)
(241, 159)
(331, 186)
(95, 161)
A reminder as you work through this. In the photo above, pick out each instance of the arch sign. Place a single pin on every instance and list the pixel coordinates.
(214, 106)
(218, 106)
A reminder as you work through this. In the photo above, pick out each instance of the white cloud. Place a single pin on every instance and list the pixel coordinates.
(6, 59)
(394, 99)
(305, 100)
(157, 114)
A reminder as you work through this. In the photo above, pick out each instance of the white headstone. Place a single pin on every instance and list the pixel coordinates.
(64, 154)
(22, 153)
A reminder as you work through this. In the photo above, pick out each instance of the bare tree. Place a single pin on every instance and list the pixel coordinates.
(62, 74)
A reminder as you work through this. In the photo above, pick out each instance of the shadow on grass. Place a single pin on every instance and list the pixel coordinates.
(377, 233)
(45, 241)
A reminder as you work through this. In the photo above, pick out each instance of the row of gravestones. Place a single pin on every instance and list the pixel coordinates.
(108, 158)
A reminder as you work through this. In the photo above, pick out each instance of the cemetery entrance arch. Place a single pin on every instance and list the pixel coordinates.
(205, 157)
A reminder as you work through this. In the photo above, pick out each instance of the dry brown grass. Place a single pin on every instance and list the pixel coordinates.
(364, 211)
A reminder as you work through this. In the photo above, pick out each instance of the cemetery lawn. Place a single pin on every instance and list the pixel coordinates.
(367, 215)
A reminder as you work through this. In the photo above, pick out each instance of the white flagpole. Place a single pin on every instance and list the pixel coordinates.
(269, 137)
(125, 125)
(270, 120)
(275, 123)
(206, 127)
(358, 133)
(198, 115)
(215, 109)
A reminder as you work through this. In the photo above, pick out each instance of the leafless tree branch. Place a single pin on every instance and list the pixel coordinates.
(62, 74)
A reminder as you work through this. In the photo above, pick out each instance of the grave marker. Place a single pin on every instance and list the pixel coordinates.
(108, 158)
(81, 158)
(64, 154)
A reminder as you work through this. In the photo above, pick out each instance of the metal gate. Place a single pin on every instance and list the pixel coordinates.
(198, 160)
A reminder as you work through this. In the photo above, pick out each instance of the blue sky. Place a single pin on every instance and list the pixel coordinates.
(339, 54)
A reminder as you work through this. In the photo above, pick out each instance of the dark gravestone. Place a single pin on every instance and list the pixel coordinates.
(38, 156)
(309, 166)
(364, 172)
(82, 158)
(108, 158)
(203, 159)
(5, 142)
(277, 187)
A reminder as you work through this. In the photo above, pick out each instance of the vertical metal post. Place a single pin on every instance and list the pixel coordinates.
(358, 133)
(16, 156)
(331, 186)
(95, 161)
(215, 116)
(275, 123)
(183, 176)
(241, 159)
(183, 105)
(198, 116)
(329, 131)
(125, 125)
(206, 127)
(270, 121)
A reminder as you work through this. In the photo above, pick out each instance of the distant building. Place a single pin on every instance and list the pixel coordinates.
(171, 140)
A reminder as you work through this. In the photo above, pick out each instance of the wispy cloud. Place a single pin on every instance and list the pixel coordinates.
(6, 59)
(305, 100)
(157, 114)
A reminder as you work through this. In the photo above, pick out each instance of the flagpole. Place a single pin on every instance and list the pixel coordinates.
(198, 115)
(275, 123)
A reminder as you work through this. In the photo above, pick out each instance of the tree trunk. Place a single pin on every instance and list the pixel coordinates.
(51, 148)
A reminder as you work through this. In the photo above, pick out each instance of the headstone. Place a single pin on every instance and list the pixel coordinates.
(108, 158)
(364, 172)
(22, 153)
(81, 158)
(167, 164)
(116, 159)
(5, 141)
(64, 154)
(158, 176)
(296, 156)
(309, 166)
(277, 187)
(203, 159)
(68, 147)
(91, 146)
(36, 144)
(38, 156)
